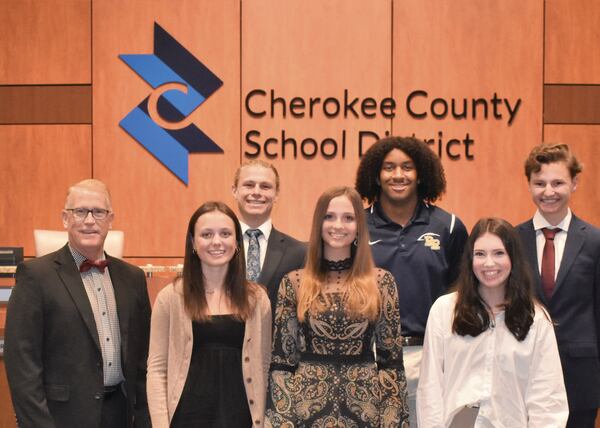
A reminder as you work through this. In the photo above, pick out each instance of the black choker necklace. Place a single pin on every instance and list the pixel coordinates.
(338, 265)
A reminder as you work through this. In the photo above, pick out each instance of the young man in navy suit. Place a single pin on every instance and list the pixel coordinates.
(270, 254)
(564, 253)
(77, 328)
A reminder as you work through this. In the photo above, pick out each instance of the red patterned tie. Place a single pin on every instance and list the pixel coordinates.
(548, 262)
(99, 264)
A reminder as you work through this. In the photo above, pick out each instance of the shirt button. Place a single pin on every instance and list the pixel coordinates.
(109, 364)
(257, 422)
(247, 359)
(251, 401)
(249, 380)
(98, 396)
(108, 339)
(103, 313)
(98, 289)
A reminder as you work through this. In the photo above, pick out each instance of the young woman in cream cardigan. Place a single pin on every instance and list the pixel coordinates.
(210, 340)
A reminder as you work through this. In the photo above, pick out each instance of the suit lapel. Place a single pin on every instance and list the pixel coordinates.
(119, 282)
(275, 249)
(71, 278)
(575, 240)
(530, 246)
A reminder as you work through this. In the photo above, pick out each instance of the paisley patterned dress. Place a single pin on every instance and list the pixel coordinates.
(323, 370)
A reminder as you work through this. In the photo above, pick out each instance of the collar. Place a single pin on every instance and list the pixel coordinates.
(79, 258)
(265, 228)
(539, 222)
(380, 219)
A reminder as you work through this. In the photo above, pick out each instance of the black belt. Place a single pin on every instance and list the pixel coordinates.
(110, 390)
(337, 359)
(412, 340)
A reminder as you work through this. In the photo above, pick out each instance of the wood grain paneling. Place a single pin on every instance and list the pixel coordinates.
(46, 104)
(460, 51)
(583, 140)
(7, 414)
(45, 42)
(151, 204)
(39, 163)
(313, 49)
(572, 104)
(571, 42)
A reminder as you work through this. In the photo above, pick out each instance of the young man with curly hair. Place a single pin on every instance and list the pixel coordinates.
(418, 242)
(564, 254)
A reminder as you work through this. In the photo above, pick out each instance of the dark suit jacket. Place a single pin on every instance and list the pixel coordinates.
(52, 353)
(575, 309)
(284, 254)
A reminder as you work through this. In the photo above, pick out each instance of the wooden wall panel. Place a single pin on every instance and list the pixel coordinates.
(313, 49)
(583, 140)
(39, 163)
(46, 104)
(572, 40)
(152, 205)
(45, 41)
(462, 50)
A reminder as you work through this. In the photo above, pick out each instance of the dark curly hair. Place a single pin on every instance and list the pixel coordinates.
(430, 172)
(471, 317)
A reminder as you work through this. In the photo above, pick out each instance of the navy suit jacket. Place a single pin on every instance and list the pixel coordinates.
(575, 308)
(284, 254)
(52, 352)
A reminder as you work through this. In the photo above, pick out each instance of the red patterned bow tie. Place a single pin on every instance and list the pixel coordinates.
(99, 264)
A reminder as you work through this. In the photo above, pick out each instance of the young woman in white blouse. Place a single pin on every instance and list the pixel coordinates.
(490, 357)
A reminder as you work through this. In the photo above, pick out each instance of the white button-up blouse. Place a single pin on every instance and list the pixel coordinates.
(514, 384)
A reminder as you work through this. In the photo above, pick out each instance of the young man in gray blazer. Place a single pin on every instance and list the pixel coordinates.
(270, 254)
(77, 328)
(564, 254)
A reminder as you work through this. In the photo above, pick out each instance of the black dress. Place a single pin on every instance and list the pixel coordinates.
(214, 395)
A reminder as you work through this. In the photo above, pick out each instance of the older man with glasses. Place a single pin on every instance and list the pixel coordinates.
(77, 327)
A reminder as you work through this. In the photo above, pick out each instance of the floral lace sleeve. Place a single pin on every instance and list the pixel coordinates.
(285, 356)
(388, 342)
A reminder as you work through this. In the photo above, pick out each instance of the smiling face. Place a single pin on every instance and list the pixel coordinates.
(398, 178)
(214, 239)
(491, 263)
(87, 236)
(255, 193)
(551, 188)
(339, 228)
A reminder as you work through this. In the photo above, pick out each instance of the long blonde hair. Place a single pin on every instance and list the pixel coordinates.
(363, 297)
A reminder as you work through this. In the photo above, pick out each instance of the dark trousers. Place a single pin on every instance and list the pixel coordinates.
(582, 418)
(114, 409)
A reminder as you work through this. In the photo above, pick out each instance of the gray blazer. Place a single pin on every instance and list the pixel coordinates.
(52, 351)
(284, 254)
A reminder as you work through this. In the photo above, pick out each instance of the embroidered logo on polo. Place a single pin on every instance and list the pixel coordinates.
(431, 240)
(160, 122)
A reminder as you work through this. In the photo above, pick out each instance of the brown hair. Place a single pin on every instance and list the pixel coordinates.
(471, 315)
(239, 291)
(363, 294)
(551, 153)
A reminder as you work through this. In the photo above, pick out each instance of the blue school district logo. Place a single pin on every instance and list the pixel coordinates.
(181, 83)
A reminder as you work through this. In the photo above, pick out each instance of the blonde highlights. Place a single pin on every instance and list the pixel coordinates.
(362, 294)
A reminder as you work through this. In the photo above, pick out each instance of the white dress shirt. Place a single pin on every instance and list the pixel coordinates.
(514, 384)
(560, 239)
(263, 239)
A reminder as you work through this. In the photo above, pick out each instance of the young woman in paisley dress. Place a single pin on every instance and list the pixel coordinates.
(330, 318)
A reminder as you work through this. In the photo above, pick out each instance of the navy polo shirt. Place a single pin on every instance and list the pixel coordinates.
(424, 258)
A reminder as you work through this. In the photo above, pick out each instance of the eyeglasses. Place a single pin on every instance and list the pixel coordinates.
(81, 214)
